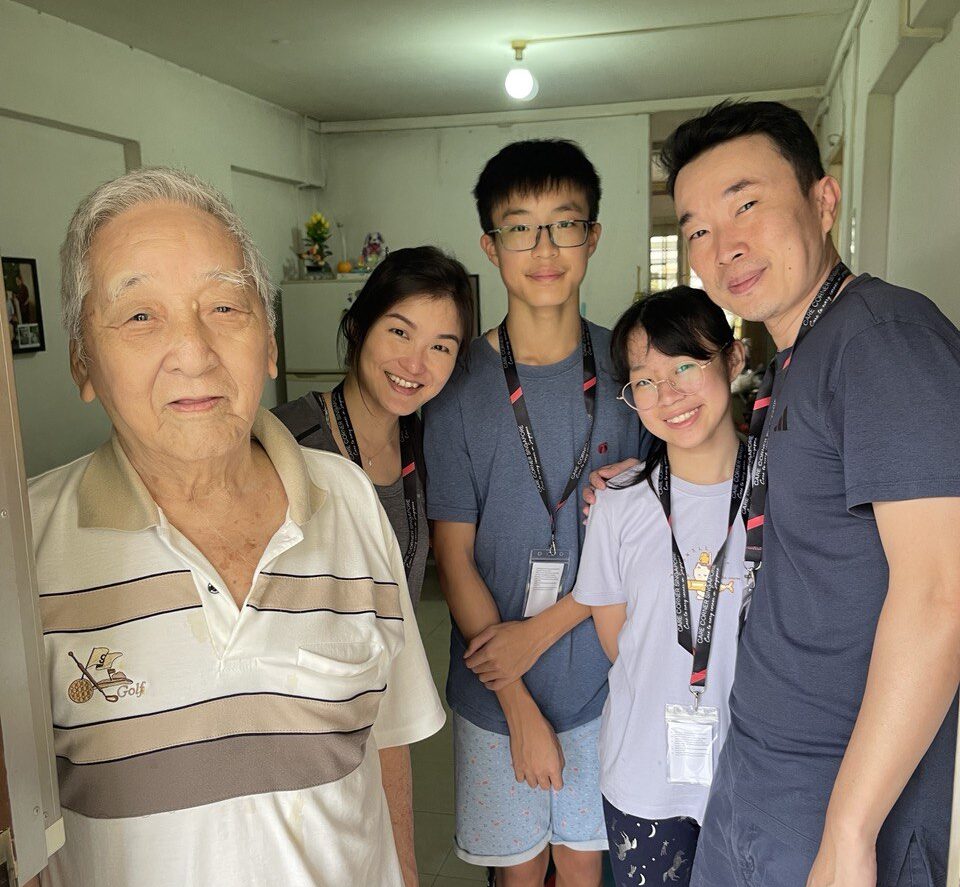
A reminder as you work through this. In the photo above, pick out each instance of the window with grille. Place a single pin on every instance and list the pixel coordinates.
(669, 266)
(668, 261)
(664, 261)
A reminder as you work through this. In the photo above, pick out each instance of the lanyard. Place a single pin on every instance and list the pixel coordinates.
(708, 611)
(515, 390)
(766, 404)
(408, 461)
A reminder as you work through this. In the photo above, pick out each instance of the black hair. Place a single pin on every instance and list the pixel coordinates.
(785, 128)
(531, 168)
(678, 322)
(414, 271)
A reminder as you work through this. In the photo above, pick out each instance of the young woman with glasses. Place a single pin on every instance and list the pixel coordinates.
(663, 571)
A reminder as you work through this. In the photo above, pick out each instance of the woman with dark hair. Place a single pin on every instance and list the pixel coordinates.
(662, 570)
(402, 338)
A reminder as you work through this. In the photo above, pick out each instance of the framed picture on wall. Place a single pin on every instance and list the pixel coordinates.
(21, 296)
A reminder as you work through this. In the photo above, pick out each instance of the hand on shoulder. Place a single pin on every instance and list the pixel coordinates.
(598, 480)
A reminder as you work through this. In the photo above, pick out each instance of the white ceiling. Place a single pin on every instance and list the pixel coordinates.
(361, 59)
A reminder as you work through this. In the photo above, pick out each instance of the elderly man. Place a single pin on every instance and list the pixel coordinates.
(228, 635)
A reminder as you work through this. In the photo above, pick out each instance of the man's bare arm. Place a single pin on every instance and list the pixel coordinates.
(913, 678)
(397, 779)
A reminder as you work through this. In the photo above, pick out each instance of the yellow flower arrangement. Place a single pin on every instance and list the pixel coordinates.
(315, 250)
(318, 229)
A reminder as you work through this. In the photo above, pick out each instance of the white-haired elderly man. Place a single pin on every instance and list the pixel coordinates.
(234, 664)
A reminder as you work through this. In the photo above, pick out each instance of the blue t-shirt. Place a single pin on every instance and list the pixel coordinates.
(477, 473)
(867, 412)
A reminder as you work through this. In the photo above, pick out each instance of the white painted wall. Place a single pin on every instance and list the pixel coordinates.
(55, 424)
(175, 118)
(414, 186)
(265, 205)
(835, 134)
(896, 107)
(924, 236)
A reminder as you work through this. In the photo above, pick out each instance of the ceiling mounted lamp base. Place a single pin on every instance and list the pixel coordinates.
(520, 84)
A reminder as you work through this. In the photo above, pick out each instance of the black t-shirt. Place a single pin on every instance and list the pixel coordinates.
(868, 411)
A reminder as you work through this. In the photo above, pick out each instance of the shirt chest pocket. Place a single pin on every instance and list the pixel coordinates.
(341, 668)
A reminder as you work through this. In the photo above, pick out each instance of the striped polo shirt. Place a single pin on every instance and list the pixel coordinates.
(199, 743)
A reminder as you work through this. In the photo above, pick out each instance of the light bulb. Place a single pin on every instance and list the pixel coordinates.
(521, 84)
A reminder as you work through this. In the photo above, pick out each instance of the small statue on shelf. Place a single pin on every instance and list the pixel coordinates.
(374, 251)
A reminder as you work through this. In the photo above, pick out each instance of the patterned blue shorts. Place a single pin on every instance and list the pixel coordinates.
(502, 822)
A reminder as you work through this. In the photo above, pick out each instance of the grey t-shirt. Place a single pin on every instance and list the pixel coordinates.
(867, 412)
(305, 419)
(478, 474)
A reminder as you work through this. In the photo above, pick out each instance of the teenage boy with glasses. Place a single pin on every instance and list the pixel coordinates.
(507, 443)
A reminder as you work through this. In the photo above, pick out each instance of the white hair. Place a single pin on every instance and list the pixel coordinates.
(117, 196)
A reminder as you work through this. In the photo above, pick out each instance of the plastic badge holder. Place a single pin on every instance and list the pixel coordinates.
(544, 580)
(691, 737)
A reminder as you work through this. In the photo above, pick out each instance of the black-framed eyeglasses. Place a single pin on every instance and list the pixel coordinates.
(563, 234)
(687, 378)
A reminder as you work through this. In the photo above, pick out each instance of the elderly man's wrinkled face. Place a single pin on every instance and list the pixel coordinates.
(177, 342)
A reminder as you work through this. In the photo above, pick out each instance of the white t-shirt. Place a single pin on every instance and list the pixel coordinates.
(199, 743)
(627, 559)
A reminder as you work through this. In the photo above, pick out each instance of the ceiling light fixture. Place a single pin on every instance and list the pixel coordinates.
(520, 83)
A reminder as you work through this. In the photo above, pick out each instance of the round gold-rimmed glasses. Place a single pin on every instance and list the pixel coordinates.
(687, 378)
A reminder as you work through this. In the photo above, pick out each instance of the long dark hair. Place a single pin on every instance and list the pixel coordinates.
(678, 322)
(414, 271)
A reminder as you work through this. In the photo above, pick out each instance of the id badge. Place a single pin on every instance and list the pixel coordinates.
(544, 580)
(691, 736)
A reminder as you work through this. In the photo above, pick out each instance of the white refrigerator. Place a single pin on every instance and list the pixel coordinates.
(310, 314)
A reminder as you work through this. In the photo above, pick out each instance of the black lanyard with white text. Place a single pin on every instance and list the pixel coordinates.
(515, 391)
(708, 611)
(766, 404)
(408, 466)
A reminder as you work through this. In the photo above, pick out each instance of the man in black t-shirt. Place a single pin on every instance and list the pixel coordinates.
(839, 764)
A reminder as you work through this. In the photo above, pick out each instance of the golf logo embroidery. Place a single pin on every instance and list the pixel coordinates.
(100, 676)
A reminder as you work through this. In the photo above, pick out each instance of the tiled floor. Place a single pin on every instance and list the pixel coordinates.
(439, 866)
(433, 763)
